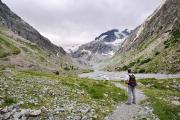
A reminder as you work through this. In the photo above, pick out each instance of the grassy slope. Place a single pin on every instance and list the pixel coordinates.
(26, 85)
(7, 48)
(161, 94)
(162, 58)
(30, 56)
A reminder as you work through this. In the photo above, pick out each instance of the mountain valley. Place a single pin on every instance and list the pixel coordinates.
(40, 80)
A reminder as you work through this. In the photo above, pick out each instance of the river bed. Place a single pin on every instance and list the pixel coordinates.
(102, 75)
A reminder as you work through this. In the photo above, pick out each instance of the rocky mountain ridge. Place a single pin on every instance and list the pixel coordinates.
(102, 48)
(13, 22)
(154, 45)
(23, 47)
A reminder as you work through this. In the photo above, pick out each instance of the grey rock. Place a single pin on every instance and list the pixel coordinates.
(58, 110)
(24, 117)
(84, 118)
(85, 110)
(77, 118)
(44, 109)
(6, 116)
(35, 112)
(23, 112)
(5, 110)
(50, 117)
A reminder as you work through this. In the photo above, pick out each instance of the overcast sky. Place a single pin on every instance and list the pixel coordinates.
(67, 22)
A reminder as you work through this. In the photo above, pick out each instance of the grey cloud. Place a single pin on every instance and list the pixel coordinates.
(79, 21)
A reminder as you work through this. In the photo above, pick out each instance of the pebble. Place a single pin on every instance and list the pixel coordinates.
(77, 118)
(175, 102)
(5, 110)
(84, 118)
(58, 110)
(35, 113)
(6, 116)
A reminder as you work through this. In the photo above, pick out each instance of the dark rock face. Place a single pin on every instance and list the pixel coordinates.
(17, 25)
(111, 36)
(146, 49)
(102, 47)
(164, 19)
(96, 47)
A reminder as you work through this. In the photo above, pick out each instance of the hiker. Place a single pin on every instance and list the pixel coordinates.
(131, 81)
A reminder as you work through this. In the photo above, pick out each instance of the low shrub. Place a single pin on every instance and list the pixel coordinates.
(67, 68)
(125, 67)
(145, 61)
(157, 53)
(142, 70)
(174, 38)
(9, 101)
(7, 48)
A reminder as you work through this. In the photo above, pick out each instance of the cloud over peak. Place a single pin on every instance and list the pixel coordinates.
(67, 22)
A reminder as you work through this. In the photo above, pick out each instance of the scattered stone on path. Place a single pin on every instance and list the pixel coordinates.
(175, 102)
(35, 113)
(58, 110)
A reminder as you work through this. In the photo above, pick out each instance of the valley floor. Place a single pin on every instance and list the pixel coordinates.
(40, 95)
(160, 98)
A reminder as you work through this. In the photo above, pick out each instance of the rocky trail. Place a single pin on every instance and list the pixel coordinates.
(134, 111)
(131, 112)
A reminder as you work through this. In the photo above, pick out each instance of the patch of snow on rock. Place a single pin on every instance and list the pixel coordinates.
(72, 48)
(102, 37)
(86, 51)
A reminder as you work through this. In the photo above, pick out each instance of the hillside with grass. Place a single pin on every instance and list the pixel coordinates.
(43, 95)
(154, 46)
(163, 96)
(40, 81)
(19, 53)
(36, 84)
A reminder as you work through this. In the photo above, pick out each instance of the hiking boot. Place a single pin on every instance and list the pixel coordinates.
(128, 103)
(133, 102)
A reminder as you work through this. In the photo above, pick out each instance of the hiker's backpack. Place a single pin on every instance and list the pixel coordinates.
(132, 80)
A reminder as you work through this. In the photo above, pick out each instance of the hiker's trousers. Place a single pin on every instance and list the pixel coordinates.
(131, 93)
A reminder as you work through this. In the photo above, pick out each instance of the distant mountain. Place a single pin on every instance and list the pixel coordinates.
(154, 46)
(103, 47)
(17, 25)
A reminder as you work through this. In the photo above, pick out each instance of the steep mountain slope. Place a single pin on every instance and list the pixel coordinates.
(23, 29)
(21, 54)
(23, 47)
(154, 46)
(102, 48)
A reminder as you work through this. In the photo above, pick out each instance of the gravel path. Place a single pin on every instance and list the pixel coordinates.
(134, 111)
(128, 112)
